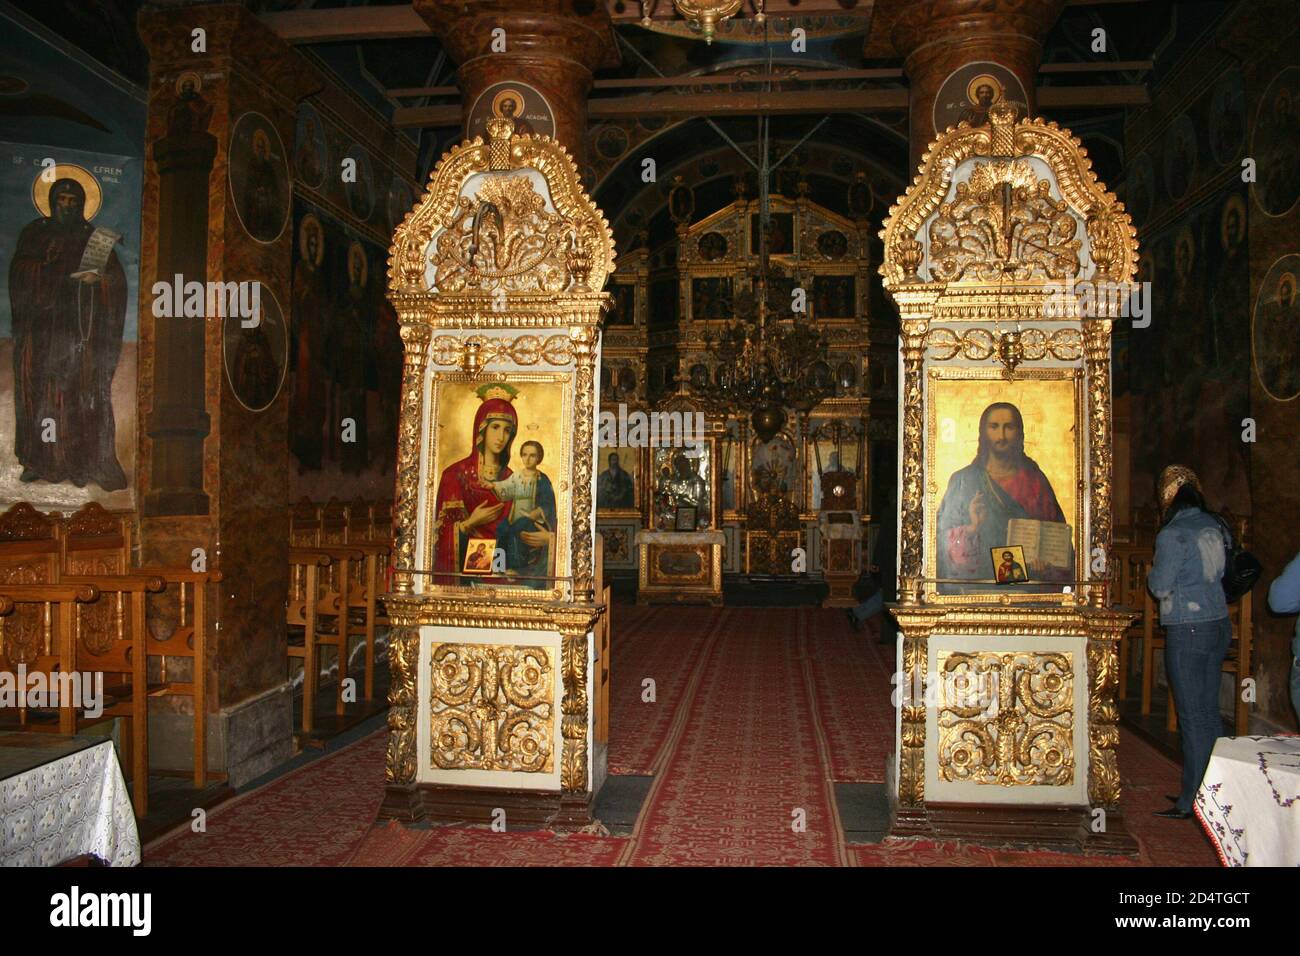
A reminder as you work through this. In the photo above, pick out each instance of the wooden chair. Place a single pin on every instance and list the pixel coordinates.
(308, 528)
(381, 534)
(1132, 562)
(310, 604)
(339, 528)
(37, 634)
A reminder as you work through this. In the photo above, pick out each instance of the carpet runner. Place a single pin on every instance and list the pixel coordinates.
(758, 712)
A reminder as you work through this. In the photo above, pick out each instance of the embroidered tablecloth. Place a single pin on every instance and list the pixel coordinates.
(62, 797)
(1249, 801)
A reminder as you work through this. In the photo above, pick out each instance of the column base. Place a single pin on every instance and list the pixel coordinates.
(1068, 829)
(524, 809)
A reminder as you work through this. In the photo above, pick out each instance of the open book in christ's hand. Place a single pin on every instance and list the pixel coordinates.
(1049, 546)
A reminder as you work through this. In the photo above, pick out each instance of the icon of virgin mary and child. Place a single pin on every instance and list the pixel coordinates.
(483, 501)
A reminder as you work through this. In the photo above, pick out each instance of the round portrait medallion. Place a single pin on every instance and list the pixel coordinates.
(259, 177)
(1275, 330)
(256, 358)
(1277, 130)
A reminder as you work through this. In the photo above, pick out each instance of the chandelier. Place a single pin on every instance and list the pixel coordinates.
(769, 358)
(703, 16)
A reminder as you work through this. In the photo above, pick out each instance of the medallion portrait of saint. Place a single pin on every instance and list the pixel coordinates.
(1003, 496)
(256, 358)
(504, 487)
(1228, 117)
(1276, 333)
(400, 202)
(1272, 144)
(1180, 157)
(68, 302)
(259, 177)
(520, 102)
(971, 91)
(350, 348)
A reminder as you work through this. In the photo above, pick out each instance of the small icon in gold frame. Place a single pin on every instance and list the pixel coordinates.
(685, 518)
(1009, 564)
(478, 556)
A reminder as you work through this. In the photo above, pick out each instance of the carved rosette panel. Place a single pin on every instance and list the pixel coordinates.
(1006, 718)
(492, 707)
(416, 340)
(99, 623)
(403, 652)
(22, 633)
(1103, 723)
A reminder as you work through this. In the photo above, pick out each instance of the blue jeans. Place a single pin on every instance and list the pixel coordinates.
(1193, 662)
(870, 607)
(1295, 674)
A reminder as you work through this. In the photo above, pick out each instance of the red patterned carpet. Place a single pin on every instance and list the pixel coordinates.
(758, 713)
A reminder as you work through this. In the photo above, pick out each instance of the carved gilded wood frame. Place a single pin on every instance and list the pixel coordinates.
(501, 263)
(991, 594)
(1005, 288)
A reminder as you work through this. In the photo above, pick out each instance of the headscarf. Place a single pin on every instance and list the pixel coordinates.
(1173, 478)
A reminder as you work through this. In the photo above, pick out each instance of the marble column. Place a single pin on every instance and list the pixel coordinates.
(936, 38)
(553, 51)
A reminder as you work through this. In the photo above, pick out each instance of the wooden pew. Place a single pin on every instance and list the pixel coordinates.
(106, 636)
(100, 542)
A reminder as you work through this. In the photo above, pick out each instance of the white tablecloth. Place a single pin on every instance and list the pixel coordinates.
(1249, 801)
(73, 805)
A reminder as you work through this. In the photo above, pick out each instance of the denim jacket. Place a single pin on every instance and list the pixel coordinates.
(1187, 573)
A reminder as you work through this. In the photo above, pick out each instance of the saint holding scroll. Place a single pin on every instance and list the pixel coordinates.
(67, 295)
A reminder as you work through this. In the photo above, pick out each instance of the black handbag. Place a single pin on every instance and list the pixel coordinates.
(1241, 569)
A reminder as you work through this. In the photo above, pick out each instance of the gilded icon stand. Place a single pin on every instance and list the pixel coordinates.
(680, 554)
(496, 276)
(1009, 263)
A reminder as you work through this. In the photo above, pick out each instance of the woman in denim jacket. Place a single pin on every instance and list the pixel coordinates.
(1187, 579)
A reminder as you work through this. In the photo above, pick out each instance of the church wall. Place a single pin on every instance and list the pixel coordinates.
(354, 345)
(1192, 379)
(60, 106)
